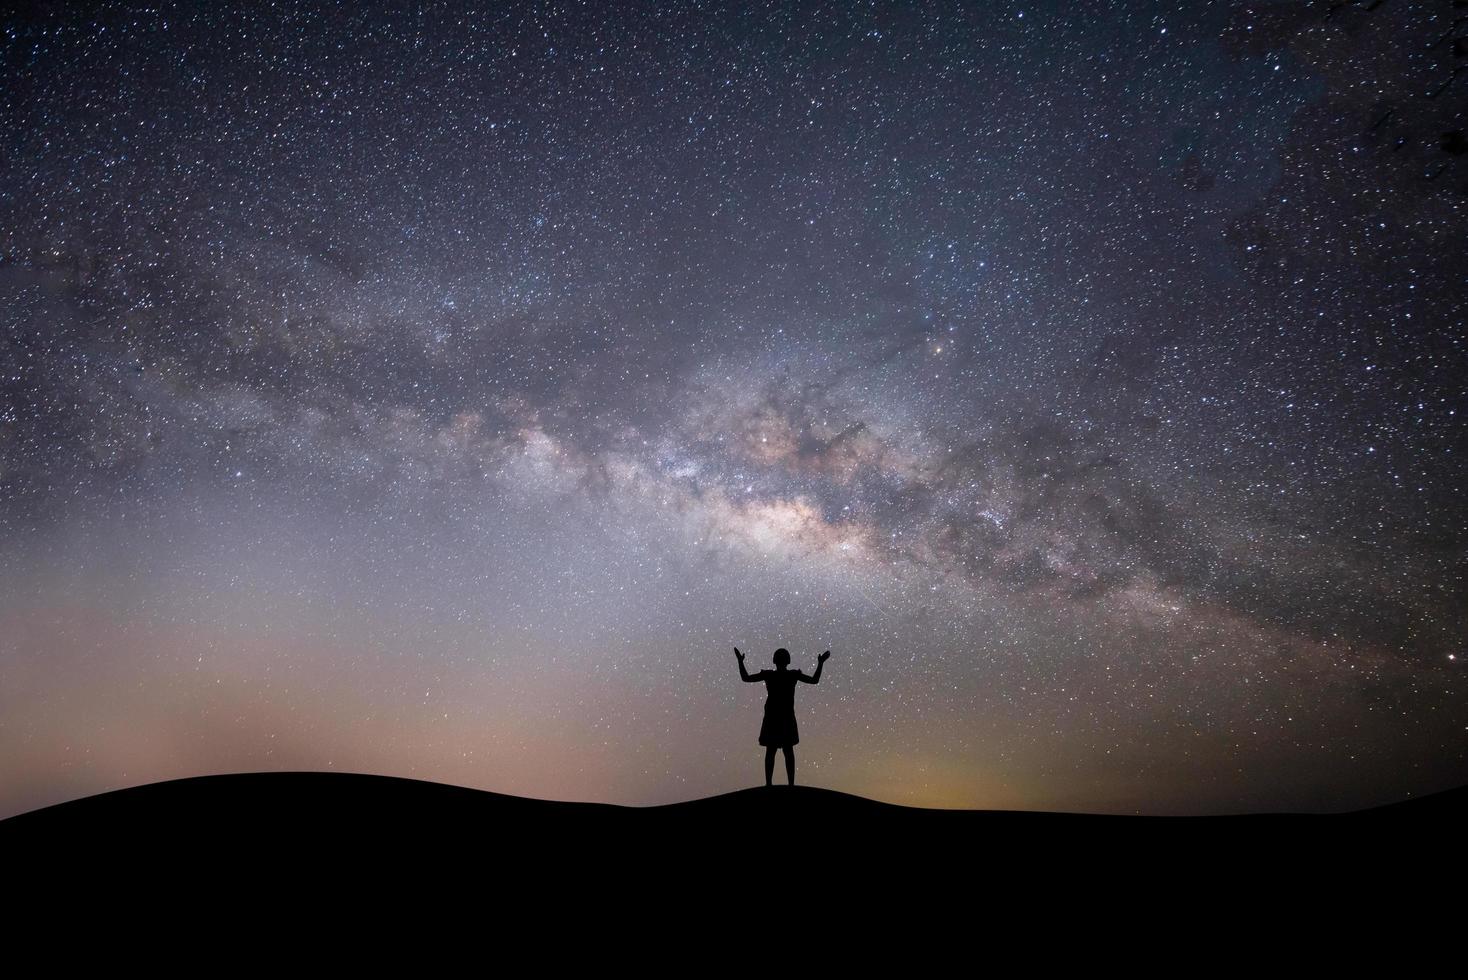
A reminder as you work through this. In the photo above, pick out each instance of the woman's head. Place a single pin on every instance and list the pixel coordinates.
(782, 657)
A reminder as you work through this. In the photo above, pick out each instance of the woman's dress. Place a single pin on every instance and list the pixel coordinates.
(779, 725)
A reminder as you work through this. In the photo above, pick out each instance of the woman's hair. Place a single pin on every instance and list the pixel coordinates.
(782, 656)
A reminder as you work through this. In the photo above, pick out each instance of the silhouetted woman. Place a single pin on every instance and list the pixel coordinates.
(778, 730)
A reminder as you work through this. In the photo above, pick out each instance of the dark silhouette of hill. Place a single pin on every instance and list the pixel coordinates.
(294, 809)
(329, 847)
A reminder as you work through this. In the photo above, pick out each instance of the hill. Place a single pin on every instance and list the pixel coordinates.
(338, 810)
(322, 839)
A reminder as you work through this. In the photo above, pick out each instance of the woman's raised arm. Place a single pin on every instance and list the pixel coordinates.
(745, 675)
(816, 677)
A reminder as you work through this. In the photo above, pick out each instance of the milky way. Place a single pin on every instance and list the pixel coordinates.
(448, 394)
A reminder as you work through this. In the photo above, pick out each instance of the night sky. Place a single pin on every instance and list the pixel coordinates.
(447, 395)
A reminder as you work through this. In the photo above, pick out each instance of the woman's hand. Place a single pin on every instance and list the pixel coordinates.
(824, 656)
(738, 654)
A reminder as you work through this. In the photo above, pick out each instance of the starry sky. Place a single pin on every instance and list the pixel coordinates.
(447, 393)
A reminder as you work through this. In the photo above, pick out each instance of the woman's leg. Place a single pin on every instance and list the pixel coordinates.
(790, 764)
(769, 764)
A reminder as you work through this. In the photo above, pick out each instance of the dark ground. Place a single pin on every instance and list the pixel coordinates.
(324, 846)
